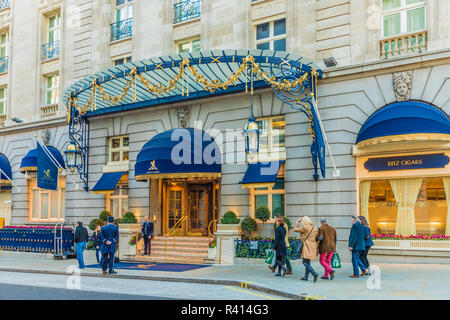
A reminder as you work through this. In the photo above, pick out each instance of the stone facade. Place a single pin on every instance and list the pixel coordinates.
(361, 83)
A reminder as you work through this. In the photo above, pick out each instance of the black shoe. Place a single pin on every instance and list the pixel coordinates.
(304, 279)
(315, 277)
(332, 275)
(283, 272)
(324, 278)
(278, 274)
(112, 272)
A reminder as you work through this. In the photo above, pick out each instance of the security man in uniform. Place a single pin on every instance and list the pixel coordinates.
(147, 234)
(109, 237)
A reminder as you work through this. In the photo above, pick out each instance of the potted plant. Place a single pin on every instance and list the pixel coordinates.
(128, 235)
(248, 226)
(212, 249)
(262, 214)
(229, 224)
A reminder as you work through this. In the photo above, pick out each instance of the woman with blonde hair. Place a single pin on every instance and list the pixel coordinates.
(308, 236)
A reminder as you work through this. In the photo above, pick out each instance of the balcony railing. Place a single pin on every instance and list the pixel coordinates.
(51, 50)
(49, 111)
(186, 10)
(403, 44)
(4, 4)
(122, 29)
(3, 64)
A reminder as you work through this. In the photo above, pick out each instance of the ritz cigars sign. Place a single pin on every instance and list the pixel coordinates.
(420, 161)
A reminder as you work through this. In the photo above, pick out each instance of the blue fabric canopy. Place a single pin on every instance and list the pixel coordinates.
(108, 182)
(30, 163)
(406, 117)
(179, 153)
(6, 174)
(262, 173)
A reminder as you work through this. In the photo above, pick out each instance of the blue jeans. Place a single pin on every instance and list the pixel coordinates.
(357, 263)
(97, 254)
(80, 246)
(308, 268)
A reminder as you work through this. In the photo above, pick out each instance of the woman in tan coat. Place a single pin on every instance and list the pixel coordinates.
(308, 236)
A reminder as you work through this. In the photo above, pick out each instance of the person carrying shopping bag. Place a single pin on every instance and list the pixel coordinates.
(308, 236)
(327, 247)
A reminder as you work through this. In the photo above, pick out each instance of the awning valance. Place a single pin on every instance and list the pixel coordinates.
(30, 162)
(108, 182)
(179, 153)
(6, 173)
(261, 174)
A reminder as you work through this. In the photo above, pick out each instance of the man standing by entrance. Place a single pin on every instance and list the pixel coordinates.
(147, 234)
(109, 236)
(80, 239)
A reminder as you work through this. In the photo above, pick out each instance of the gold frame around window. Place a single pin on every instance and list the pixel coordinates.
(272, 155)
(31, 187)
(110, 196)
(120, 149)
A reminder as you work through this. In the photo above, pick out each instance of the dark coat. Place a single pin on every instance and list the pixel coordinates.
(110, 232)
(328, 242)
(97, 240)
(356, 240)
(280, 243)
(368, 237)
(147, 229)
(81, 234)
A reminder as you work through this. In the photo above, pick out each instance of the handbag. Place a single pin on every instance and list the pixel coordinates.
(300, 248)
(335, 261)
(269, 258)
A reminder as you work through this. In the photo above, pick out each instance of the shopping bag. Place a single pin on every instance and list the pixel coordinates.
(335, 261)
(269, 257)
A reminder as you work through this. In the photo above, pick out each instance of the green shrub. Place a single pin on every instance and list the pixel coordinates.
(128, 217)
(104, 215)
(230, 218)
(262, 213)
(94, 223)
(248, 225)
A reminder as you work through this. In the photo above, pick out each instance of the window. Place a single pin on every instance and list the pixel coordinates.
(124, 10)
(52, 90)
(46, 205)
(3, 99)
(272, 138)
(3, 45)
(53, 30)
(403, 16)
(429, 209)
(270, 197)
(189, 46)
(271, 35)
(118, 201)
(120, 61)
(119, 149)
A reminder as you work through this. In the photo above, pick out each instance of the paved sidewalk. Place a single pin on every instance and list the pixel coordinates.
(398, 281)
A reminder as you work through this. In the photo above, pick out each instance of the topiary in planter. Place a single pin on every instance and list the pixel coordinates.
(94, 223)
(230, 218)
(104, 215)
(248, 225)
(129, 217)
(262, 213)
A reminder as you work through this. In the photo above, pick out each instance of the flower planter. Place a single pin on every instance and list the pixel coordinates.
(226, 234)
(229, 229)
(212, 253)
(126, 232)
(431, 245)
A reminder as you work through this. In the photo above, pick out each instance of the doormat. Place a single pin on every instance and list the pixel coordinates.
(169, 267)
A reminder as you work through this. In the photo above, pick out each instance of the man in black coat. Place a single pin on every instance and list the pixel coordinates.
(357, 244)
(147, 234)
(80, 239)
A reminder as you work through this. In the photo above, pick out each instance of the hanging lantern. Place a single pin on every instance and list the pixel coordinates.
(251, 137)
(73, 156)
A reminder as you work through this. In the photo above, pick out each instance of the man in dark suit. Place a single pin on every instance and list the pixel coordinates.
(109, 236)
(357, 244)
(147, 234)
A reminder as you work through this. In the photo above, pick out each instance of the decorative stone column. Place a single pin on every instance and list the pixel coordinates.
(226, 235)
(126, 232)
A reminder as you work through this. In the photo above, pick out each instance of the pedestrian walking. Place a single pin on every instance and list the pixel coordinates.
(147, 235)
(357, 244)
(286, 260)
(368, 242)
(279, 245)
(80, 239)
(109, 237)
(308, 236)
(97, 242)
(327, 247)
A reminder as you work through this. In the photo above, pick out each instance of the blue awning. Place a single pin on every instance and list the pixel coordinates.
(30, 163)
(108, 182)
(199, 157)
(407, 117)
(6, 173)
(261, 174)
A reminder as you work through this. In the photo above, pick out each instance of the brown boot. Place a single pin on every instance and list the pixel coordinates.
(272, 268)
(364, 273)
(353, 276)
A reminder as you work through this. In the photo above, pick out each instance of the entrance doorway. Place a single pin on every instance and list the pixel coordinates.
(189, 207)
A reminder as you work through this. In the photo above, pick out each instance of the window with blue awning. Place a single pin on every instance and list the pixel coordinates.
(261, 174)
(108, 182)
